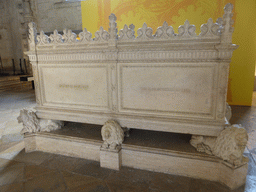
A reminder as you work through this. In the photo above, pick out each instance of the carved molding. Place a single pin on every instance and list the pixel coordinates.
(112, 135)
(32, 124)
(229, 145)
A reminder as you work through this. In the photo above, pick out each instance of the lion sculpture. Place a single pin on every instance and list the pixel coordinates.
(112, 135)
(229, 145)
(32, 124)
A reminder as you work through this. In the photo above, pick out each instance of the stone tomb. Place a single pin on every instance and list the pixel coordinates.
(166, 82)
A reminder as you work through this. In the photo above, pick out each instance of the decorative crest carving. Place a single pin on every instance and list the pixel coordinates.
(209, 29)
(101, 35)
(187, 30)
(85, 36)
(56, 37)
(69, 36)
(42, 39)
(32, 35)
(112, 26)
(127, 33)
(145, 33)
(165, 31)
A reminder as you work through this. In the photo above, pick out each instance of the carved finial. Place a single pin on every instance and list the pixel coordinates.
(42, 39)
(226, 32)
(132, 27)
(101, 35)
(145, 32)
(126, 33)
(165, 31)
(32, 35)
(69, 36)
(209, 29)
(85, 36)
(187, 30)
(56, 37)
(112, 26)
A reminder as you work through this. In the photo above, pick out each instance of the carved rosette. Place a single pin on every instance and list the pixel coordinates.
(112, 135)
(165, 31)
(85, 36)
(229, 145)
(56, 37)
(187, 30)
(42, 39)
(144, 33)
(68, 36)
(32, 124)
(127, 33)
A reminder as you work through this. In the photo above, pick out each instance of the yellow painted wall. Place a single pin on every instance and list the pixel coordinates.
(95, 14)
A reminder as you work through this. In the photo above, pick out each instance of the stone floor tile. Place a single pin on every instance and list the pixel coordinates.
(92, 168)
(6, 162)
(12, 174)
(52, 181)
(251, 166)
(171, 183)
(198, 185)
(36, 157)
(12, 151)
(62, 162)
(76, 182)
(250, 185)
(32, 171)
(128, 179)
(15, 187)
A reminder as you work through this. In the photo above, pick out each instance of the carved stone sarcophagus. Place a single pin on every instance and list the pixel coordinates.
(164, 81)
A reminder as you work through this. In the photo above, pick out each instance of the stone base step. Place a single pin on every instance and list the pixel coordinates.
(169, 153)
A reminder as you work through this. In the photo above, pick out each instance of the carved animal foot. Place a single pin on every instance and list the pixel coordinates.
(112, 135)
(32, 124)
(229, 145)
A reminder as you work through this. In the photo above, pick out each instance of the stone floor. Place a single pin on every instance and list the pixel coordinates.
(40, 172)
